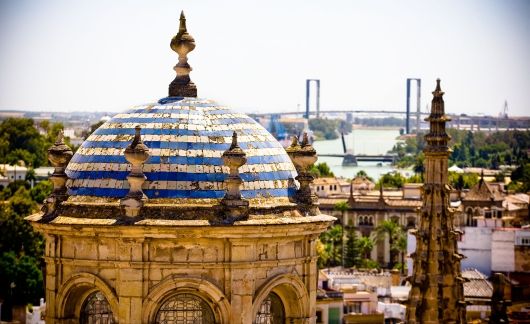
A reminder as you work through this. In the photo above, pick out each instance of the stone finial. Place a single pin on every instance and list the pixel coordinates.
(182, 43)
(304, 157)
(234, 158)
(136, 154)
(59, 155)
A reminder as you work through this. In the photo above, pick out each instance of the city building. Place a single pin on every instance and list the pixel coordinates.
(327, 187)
(368, 209)
(353, 296)
(181, 211)
(10, 173)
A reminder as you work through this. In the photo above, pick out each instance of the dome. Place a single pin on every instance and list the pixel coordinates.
(186, 138)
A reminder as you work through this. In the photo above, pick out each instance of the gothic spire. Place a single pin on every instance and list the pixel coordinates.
(437, 294)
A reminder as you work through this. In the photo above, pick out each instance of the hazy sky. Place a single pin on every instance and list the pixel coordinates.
(101, 55)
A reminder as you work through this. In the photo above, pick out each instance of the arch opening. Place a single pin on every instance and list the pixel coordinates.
(271, 310)
(96, 309)
(184, 308)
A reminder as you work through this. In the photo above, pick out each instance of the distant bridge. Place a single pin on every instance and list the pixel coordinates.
(364, 157)
(472, 122)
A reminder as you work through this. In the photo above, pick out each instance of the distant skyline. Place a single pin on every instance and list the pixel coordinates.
(254, 56)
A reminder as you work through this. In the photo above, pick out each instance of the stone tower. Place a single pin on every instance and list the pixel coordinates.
(181, 211)
(437, 286)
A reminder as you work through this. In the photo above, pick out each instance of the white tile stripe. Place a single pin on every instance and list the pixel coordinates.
(166, 167)
(187, 106)
(182, 138)
(176, 152)
(228, 127)
(181, 115)
(176, 185)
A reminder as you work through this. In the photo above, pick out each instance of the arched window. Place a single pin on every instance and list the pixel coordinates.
(184, 309)
(470, 220)
(362, 221)
(96, 310)
(411, 222)
(271, 311)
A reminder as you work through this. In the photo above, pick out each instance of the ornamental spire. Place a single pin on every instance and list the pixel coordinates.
(59, 155)
(437, 138)
(235, 207)
(303, 157)
(437, 293)
(136, 154)
(182, 44)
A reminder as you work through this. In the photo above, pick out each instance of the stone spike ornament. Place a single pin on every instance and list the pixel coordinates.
(182, 44)
(304, 157)
(136, 154)
(59, 155)
(437, 293)
(235, 208)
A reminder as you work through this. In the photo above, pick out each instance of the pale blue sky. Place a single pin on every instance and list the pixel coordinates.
(68, 55)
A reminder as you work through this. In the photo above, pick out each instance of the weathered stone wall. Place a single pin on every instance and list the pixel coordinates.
(233, 269)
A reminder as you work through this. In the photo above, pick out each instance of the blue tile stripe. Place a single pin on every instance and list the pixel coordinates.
(179, 145)
(78, 158)
(181, 176)
(181, 132)
(186, 137)
(161, 193)
(192, 121)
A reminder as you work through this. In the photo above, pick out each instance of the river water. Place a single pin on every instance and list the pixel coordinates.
(364, 141)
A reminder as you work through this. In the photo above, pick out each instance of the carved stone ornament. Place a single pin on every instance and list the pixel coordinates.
(59, 155)
(234, 158)
(304, 157)
(136, 154)
(182, 44)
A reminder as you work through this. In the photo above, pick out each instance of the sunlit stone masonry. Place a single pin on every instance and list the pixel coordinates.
(181, 211)
(437, 293)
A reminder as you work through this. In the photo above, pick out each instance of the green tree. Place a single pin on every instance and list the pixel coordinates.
(41, 190)
(20, 279)
(20, 140)
(352, 253)
(323, 254)
(332, 239)
(21, 251)
(16, 234)
(521, 178)
(391, 180)
(419, 167)
(342, 207)
(391, 230)
(400, 245)
(324, 128)
(362, 173)
(321, 170)
(366, 245)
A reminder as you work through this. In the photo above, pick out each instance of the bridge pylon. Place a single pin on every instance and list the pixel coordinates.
(307, 95)
(418, 101)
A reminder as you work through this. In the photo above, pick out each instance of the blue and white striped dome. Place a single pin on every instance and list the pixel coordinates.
(186, 138)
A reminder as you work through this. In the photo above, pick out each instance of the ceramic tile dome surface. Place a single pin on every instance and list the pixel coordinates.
(186, 138)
